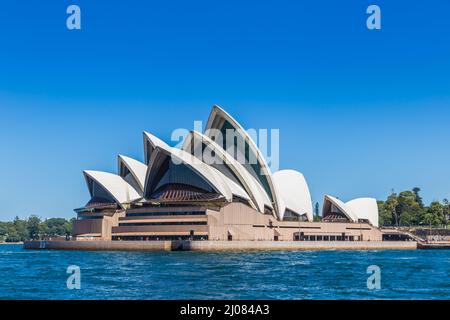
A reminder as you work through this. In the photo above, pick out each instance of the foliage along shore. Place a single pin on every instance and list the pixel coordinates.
(33, 228)
(407, 209)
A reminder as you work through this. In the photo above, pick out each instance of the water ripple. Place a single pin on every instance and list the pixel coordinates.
(330, 275)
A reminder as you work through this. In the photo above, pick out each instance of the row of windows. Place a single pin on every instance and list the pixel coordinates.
(139, 224)
(328, 238)
(158, 214)
(160, 238)
(90, 218)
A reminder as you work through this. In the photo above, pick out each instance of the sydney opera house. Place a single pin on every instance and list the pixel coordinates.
(177, 194)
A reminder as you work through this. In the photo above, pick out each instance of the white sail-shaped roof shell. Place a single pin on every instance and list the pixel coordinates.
(218, 113)
(150, 143)
(365, 208)
(342, 207)
(294, 192)
(115, 185)
(258, 196)
(136, 168)
(218, 181)
(362, 208)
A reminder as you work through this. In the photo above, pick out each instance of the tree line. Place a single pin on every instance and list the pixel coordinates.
(34, 228)
(408, 209)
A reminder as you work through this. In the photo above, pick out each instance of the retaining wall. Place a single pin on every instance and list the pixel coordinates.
(215, 245)
(100, 245)
(296, 245)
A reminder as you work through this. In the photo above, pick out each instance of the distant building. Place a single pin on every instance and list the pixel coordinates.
(176, 194)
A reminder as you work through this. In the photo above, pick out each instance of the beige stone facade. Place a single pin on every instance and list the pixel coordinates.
(231, 222)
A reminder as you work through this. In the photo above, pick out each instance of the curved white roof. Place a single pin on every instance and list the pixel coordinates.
(254, 190)
(235, 189)
(342, 207)
(294, 192)
(362, 208)
(218, 180)
(214, 177)
(365, 208)
(218, 113)
(137, 169)
(153, 142)
(115, 185)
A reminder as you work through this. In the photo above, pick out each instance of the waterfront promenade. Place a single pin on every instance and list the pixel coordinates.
(218, 245)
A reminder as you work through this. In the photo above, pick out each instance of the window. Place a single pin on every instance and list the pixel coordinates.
(168, 213)
(90, 218)
(239, 142)
(184, 223)
(160, 238)
(183, 175)
(132, 181)
(98, 192)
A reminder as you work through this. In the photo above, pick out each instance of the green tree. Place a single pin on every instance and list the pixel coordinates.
(3, 231)
(446, 210)
(385, 214)
(34, 228)
(408, 209)
(419, 199)
(20, 227)
(435, 214)
(56, 227)
(316, 209)
(13, 236)
(391, 206)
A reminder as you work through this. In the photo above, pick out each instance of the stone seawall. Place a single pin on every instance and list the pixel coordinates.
(100, 245)
(305, 246)
(215, 245)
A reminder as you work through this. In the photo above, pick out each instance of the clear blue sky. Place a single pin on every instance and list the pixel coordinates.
(360, 112)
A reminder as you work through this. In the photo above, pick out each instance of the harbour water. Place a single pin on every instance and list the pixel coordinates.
(242, 275)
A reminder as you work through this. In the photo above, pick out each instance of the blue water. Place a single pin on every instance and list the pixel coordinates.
(187, 275)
